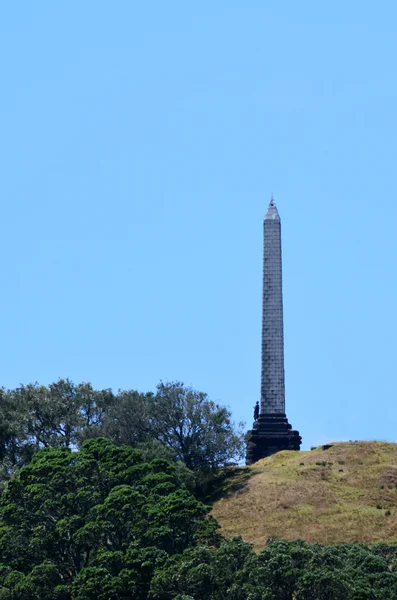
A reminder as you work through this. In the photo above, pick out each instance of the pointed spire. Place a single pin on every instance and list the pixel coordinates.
(272, 212)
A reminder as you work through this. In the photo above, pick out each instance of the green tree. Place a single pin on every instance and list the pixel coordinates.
(283, 571)
(36, 416)
(199, 431)
(13, 421)
(58, 414)
(177, 423)
(126, 419)
(73, 519)
(206, 573)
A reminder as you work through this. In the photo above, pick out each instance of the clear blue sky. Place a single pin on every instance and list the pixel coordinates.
(140, 143)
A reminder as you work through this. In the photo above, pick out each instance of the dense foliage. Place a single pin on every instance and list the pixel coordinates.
(178, 423)
(283, 571)
(94, 524)
(86, 517)
(102, 524)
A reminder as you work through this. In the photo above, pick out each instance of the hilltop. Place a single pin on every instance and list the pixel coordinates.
(341, 492)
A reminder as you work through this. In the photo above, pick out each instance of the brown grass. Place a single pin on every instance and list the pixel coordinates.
(344, 500)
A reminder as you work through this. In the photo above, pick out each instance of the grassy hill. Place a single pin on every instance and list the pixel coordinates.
(343, 493)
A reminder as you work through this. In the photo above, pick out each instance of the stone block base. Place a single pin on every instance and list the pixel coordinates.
(270, 434)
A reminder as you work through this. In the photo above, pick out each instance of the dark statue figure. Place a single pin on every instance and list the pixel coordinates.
(256, 411)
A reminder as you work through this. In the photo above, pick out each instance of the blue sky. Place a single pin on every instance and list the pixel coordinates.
(140, 143)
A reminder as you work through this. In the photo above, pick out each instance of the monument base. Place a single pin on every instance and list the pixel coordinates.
(270, 434)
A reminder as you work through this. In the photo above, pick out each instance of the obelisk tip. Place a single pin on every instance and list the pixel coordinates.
(272, 212)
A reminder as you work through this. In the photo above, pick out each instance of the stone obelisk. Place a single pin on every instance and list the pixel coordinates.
(271, 431)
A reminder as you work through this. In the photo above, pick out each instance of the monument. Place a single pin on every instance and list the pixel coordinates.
(271, 431)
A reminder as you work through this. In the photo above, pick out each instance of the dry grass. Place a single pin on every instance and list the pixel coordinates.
(350, 498)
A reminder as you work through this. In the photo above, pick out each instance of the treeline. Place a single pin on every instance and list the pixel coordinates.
(104, 524)
(177, 423)
(100, 502)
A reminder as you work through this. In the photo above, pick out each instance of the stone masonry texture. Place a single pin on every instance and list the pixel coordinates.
(272, 380)
(271, 431)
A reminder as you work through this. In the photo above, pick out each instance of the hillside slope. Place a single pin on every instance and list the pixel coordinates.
(344, 493)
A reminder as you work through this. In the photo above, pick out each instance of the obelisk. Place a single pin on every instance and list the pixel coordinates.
(271, 431)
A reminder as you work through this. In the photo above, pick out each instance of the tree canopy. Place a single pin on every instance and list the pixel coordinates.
(200, 432)
(92, 522)
(182, 423)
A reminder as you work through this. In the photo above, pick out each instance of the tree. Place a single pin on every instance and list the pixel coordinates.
(35, 416)
(13, 420)
(207, 573)
(283, 571)
(71, 520)
(200, 432)
(177, 423)
(58, 414)
(126, 419)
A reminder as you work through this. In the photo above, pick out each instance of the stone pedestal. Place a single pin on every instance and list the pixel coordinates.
(270, 433)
